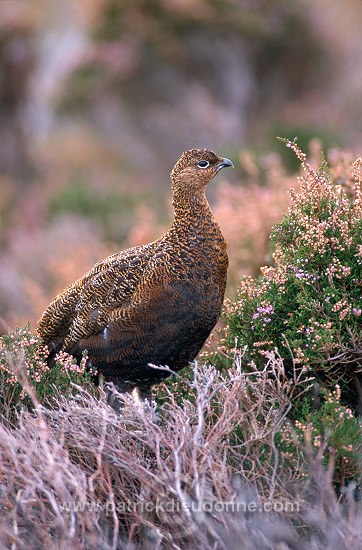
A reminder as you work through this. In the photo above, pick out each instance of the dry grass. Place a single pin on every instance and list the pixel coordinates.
(199, 473)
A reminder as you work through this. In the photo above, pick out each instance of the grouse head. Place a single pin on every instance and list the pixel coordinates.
(195, 168)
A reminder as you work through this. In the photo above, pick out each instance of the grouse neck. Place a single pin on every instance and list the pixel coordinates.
(191, 210)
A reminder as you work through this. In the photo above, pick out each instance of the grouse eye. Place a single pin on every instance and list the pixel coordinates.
(203, 164)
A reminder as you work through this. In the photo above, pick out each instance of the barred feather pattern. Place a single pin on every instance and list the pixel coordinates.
(151, 304)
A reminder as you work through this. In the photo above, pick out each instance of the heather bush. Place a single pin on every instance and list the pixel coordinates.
(308, 305)
(330, 430)
(26, 378)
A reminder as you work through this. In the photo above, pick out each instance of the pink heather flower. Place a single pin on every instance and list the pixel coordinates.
(357, 311)
(260, 310)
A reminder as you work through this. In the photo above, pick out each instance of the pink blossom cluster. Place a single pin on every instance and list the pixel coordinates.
(69, 363)
(22, 356)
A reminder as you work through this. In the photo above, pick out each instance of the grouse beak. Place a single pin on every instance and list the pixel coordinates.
(224, 164)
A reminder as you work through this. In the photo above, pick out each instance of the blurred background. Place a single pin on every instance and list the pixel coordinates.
(98, 98)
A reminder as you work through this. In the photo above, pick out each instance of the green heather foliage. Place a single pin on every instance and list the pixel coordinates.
(332, 431)
(308, 305)
(25, 377)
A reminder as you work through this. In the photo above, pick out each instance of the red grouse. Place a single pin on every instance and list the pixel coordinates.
(152, 304)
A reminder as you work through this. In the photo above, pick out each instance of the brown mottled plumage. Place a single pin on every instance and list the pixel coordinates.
(155, 303)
